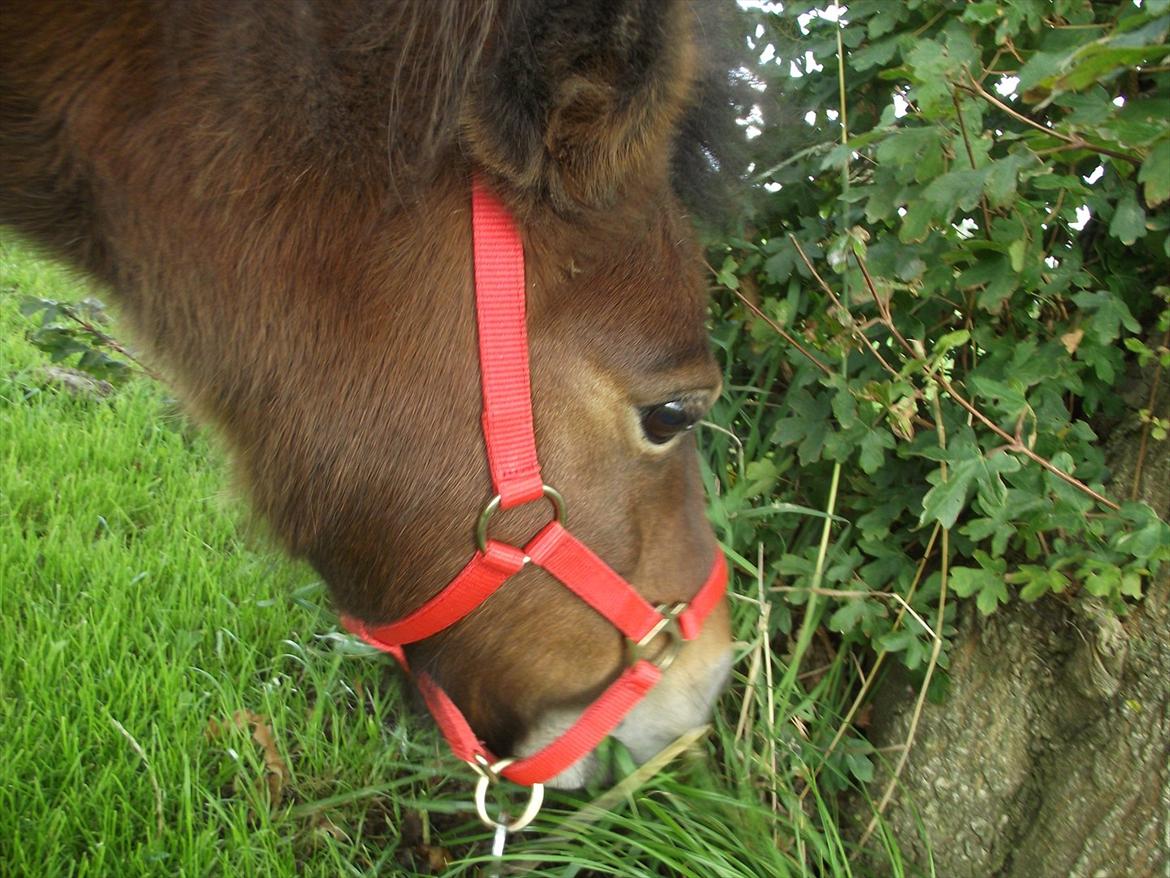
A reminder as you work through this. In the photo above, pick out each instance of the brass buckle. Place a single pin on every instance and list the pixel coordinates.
(667, 627)
(481, 527)
(489, 773)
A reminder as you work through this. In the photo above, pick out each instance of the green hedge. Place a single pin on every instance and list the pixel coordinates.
(987, 277)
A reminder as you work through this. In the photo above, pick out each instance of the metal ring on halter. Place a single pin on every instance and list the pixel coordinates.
(668, 627)
(481, 526)
(489, 774)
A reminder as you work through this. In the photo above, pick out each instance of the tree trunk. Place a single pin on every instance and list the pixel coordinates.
(1051, 756)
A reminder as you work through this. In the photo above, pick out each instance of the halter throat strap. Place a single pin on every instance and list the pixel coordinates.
(654, 634)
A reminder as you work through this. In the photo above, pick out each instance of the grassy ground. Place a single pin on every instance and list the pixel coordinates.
(175, 698)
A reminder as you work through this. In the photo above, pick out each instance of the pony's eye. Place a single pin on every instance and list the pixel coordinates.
(663, 422)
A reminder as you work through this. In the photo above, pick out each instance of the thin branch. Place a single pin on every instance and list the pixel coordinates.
(1011, 443)
(776, 327)
(850, 322)
(971, 159)
(1019, 448)
(973, 87)
(106, 339)
(932, 664)
(1054, 218)
(1150, 406)
(867, 684)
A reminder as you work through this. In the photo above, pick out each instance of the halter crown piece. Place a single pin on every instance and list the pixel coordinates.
(511, 450)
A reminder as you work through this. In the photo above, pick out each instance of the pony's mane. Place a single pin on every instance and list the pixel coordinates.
(425, 99)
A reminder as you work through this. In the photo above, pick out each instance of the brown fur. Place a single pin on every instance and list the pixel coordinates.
(278, 194)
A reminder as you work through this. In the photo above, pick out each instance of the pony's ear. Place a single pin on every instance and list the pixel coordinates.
(579, 97)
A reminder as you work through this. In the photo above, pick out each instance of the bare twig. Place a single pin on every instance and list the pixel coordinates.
(850, 322)
(884, 310)
(1011, 443)
(1054, 218)
(106, 339)
(973, 87)
(971, 159)
(932, 663)
(1150, 407)
(782, 333)
(1017, 447)
(855, 595)
(867, 684)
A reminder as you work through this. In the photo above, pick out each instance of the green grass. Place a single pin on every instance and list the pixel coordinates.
(138, 616)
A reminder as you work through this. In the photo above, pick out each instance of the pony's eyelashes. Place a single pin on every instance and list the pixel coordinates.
(660, 423)
(663, 422)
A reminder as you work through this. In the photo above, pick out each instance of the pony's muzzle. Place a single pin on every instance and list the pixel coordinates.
(682, 701)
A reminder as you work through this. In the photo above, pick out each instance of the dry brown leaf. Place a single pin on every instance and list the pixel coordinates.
(1072, 340)
(275, 769)
(437, 858)
(325, 826)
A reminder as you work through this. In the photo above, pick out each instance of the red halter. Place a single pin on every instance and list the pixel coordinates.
(511, 450)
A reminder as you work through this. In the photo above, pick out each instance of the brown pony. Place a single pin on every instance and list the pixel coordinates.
(278, 196)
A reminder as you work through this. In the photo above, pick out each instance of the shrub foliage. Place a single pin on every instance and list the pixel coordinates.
(953, 291)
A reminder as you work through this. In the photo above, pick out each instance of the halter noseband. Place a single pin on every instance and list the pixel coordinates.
(515, 470)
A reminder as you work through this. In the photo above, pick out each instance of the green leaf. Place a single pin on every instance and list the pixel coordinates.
(904, 641)
(949, 341)
(916, 224)
(1041, 67)
(986, 582)
(874, 55)
(1038, 581)
(1109, 314)
(1155, 173)
(992, 596)
(946, 499)
(1001, 178)
(966, 581)
(983, 12)
(1007, 396)
(844, 408)
(860, 766)
(1145, 536)
(1103, 582)
(1131, 584)
(1129, 220)
(962, 188)
(874, 445)
(860, 613)
(727, 276)
(1016, 252)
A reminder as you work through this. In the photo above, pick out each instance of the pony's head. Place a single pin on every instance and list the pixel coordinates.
(281, 198)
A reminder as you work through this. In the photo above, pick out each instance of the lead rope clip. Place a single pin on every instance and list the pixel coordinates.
(489, 773)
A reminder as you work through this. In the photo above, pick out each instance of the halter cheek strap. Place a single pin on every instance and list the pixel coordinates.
(654, 635)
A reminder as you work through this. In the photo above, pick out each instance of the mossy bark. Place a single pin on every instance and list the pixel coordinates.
(1051, 756)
